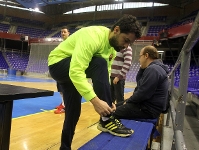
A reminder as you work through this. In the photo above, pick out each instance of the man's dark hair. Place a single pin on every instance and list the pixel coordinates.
(152, 51)
(64, 27)
(128, 24)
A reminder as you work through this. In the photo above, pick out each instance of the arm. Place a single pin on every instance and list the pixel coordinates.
(146, 86)
(127, 54)
(81, 57)
(111, 61)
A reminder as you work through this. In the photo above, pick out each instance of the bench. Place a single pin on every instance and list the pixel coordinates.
(137, 141)
(155, 132)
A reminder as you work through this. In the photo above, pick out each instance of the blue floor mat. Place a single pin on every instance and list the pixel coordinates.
(30, 106)
(23, 107)
(126, 90)
(23, 79)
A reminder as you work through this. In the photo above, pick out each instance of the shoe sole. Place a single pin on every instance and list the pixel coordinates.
(59, 112)
(99, 127)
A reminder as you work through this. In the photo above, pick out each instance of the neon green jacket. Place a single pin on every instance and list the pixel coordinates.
(82, 46)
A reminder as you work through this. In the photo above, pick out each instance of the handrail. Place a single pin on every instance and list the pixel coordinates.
(180, 144)
(178, 113)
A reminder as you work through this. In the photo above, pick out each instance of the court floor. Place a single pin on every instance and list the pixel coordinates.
(34, 124)
(35, 105)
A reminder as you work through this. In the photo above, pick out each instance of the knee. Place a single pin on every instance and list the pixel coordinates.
(101, 62)
(97, 66)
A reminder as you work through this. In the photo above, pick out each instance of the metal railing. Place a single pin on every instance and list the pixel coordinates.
(178, 106)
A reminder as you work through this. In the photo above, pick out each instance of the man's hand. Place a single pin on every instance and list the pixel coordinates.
(101, 107)
(113, 107)
(115, 80)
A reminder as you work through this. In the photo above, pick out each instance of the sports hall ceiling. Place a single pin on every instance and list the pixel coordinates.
(57, 7)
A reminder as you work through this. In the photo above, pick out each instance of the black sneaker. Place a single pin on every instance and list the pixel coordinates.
(115, 127)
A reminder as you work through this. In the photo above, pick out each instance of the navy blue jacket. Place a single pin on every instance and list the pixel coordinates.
(152, 88)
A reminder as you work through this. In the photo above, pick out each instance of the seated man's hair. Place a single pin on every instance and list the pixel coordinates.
(152, 51)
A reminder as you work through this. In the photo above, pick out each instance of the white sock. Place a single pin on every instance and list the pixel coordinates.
(105, 118)
(63, 104)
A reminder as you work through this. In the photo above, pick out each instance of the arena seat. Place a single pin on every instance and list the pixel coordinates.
(3, 63)
(4, 27)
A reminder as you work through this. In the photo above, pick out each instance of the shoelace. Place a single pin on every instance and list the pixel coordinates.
(117, 122)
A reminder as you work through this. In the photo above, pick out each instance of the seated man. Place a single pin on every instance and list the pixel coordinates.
(150, 96)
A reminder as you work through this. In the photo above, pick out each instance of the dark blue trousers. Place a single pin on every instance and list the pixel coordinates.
(98, 72)
(117, 90)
